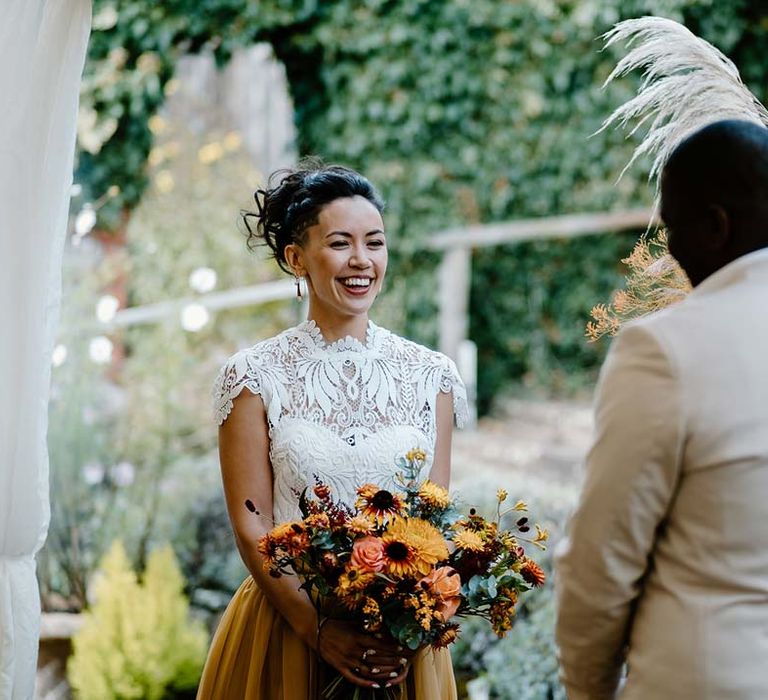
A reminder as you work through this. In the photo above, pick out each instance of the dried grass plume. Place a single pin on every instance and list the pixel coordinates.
(687, 84)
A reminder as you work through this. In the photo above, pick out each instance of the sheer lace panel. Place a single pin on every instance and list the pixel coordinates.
(343, 411)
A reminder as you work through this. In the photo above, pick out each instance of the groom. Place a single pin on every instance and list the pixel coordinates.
(666, 562)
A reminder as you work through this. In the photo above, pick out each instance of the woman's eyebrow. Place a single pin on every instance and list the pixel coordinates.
(349, 235)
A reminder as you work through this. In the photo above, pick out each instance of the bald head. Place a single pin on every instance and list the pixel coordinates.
(714, 196)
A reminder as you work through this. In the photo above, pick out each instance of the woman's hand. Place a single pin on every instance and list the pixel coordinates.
(371, 661)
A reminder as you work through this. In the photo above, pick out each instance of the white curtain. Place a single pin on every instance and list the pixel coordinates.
(42, 50)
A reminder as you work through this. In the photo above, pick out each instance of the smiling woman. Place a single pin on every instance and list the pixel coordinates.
(339, 399)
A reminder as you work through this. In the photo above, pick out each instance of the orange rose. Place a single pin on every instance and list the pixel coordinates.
(445, 584)
(368, 554)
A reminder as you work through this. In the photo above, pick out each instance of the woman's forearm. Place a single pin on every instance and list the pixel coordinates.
(284, 593)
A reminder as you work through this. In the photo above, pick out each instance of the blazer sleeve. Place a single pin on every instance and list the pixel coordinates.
(631, 476)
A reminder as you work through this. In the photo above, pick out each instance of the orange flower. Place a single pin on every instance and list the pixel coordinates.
(292, 538)
(379, 505)
(351, 587)
(445, 584)
(533, 573)
(321, 521)
(368, 555)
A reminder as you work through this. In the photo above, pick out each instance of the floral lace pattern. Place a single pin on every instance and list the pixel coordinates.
(342, 411)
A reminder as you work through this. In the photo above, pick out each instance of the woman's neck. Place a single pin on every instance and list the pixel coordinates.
(334, 327)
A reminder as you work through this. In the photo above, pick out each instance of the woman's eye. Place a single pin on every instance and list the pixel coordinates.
(338, 244)
(376, 244)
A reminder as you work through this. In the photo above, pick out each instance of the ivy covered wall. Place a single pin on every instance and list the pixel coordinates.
(461, 111)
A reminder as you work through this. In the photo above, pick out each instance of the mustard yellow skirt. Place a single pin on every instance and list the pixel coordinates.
(255, 655)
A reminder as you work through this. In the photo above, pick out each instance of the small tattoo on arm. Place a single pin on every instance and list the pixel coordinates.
(249, 505)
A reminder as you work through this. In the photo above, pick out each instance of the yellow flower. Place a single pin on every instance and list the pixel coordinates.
(379, 505)
(434, 495)
(541, 535)
(416, 455)
(501, 495)
(351, 587)
(318, 520)
(423, 541)
(521, 506)
(469, 540)
(360, 525)
(372, 615)
(508, 540)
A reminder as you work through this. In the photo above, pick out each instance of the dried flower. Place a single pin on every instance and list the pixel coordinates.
(448, 636)
(654, 281)
(434, 495)
(533, 573)
(469, 540)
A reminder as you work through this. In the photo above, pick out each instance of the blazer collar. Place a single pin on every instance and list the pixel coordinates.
(733, 272)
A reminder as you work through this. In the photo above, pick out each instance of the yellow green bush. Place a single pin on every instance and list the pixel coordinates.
(137, 640)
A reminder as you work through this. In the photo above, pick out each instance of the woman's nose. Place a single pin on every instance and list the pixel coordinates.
(360, 258)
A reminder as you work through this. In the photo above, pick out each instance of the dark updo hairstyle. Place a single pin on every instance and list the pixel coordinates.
(284, 211)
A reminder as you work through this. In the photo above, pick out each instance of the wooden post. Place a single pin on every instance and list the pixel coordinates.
(454, 279)
(454, 285)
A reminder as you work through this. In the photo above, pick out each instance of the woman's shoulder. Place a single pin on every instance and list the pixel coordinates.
(259, 368)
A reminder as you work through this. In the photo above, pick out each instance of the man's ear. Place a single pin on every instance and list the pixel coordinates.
(294, 257)
(718, 223)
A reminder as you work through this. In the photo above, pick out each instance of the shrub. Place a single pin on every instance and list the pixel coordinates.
(137, 640)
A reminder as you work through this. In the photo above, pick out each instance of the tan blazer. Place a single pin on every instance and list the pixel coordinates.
(666, 560)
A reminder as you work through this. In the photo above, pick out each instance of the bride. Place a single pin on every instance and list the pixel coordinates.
(339, 398)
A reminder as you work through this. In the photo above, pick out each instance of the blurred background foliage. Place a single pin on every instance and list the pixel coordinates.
(461, 112)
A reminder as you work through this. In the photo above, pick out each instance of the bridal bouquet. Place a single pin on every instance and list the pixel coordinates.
(406, 562)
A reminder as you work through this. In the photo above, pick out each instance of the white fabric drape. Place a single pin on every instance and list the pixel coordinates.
(42, 50)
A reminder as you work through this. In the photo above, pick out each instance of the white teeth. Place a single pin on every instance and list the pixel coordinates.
(357, 282)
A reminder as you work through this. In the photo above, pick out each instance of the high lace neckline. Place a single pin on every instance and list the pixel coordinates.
(347, 343)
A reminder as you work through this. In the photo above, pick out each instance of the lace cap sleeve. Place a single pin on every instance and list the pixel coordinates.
(450, 381)
(239, 373)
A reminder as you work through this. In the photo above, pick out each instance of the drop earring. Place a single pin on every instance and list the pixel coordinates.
(299, 295)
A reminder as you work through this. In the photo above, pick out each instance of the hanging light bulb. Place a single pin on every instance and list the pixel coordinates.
(93, 473)
(100, 350)
(203, 279)
(107, 307)
(85, 221)
(194, 317)
(59, 356)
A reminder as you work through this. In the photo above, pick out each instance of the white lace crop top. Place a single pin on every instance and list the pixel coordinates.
(341, 411)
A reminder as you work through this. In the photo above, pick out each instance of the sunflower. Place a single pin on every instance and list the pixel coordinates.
(434, 495)
(413, 546)
(379, 505)
(468, 539)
